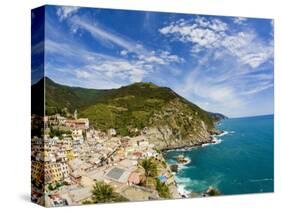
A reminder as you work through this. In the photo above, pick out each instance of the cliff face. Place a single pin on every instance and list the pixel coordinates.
(163, 138)
(167, 119)
(176, 126)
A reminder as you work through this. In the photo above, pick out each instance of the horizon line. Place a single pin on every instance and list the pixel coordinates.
(251, 116)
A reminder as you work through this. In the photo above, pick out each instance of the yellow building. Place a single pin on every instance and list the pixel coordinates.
(55, 172)
(37, 171)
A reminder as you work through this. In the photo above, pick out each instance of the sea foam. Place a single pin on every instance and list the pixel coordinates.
(181, 186)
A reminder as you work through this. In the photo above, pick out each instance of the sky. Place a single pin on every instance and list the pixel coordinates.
(222, 64)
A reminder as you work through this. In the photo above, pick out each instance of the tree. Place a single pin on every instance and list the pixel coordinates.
(150, 168)
(163, 189)
(102, 193)
(212, 191)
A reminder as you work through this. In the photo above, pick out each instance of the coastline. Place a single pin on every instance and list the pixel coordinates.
(223, 166)
(180, 189)
(212, 140)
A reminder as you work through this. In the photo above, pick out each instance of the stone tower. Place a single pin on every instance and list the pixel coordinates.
(75, 114)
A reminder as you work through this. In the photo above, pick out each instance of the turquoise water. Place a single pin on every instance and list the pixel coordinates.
(240, 163)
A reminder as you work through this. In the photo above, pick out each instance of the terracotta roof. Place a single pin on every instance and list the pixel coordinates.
(134, 178)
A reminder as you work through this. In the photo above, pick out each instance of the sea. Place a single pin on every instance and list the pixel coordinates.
(240, 162)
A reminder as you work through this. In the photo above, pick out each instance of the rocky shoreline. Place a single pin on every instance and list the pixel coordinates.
(175, 167)
(189, 144)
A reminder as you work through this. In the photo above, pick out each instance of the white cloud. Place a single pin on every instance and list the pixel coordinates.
(224, 87)
(141, 62)
(124, 52)
(204, 34)
(157, 57)
(121, 69)
(154, 59)
(248, 48)
(87, 78)
(198, 87)
(201, 32)
(64, 12)
(81, 74)
(38, 48)
(259, 88)
(229, 70)
(218, 26)
(103, 68)
(103, 35)
(239, 20)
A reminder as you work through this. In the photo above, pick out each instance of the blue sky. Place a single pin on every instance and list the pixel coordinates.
(222, 64)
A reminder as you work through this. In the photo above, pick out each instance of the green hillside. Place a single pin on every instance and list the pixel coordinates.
(138, 105)
(58, 97)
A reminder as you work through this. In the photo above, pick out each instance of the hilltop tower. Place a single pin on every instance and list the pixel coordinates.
(75, 114)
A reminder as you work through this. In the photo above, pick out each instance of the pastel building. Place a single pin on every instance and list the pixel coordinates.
(56, 172)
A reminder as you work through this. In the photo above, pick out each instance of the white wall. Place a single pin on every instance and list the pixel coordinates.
(15, 102)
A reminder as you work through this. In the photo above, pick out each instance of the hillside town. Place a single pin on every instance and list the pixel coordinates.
(72, 157)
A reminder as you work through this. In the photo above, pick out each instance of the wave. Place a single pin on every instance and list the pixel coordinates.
(183, 166)
(215, 141)
(182, 179)
(181, 186)
(182, 191)
(261, 180)
(186, 186)
(179, 149)
(222, 134)
(203, 145)
(216, 138)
